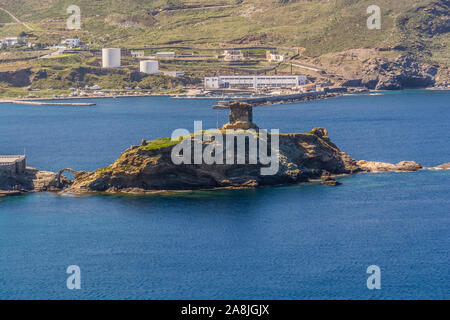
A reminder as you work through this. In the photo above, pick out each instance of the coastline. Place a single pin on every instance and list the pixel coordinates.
(11, 100)
(177, 96)
(35, 101)
(168, 192)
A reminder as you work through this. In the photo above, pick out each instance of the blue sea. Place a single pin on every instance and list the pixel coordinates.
(306, 241)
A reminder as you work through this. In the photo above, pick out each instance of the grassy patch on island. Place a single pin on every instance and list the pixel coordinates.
(160, 143)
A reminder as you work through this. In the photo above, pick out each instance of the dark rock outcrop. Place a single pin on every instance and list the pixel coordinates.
(371, 69)
(430, 19)
(18, 78)
(405, 72)
(401, 73)
(328, 180)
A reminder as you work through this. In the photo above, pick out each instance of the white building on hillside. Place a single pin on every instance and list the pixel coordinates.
(11, 41)
(165, 55)
(137, 54)
(254, 82)
(273, 56)
(233, 55)
(71, 43)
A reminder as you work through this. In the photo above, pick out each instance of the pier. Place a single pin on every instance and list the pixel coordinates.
(40, 103)
(8, 193)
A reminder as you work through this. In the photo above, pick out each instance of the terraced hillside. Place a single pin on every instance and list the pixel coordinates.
(329, 30)
(321, 26)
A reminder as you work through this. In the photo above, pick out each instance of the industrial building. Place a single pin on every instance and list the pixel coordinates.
(13, 164)
(111, 57)
(254, 82)
(149, 66)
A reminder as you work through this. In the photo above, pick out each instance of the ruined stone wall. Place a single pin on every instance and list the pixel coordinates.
(241, 113)
(12, 167)
(8, 168)
(21, 165)
(241, 116)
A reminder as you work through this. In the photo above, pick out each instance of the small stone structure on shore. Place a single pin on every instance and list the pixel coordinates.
(241, 116)
(13, 164)
(16, 178)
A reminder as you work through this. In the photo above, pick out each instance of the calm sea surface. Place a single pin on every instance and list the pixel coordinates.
(296, 242)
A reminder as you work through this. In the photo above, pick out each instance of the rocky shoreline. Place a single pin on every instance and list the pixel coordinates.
(32, 180)
(379, 69)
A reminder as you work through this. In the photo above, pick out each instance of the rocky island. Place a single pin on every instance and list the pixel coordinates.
(303, 157)
(162, 165)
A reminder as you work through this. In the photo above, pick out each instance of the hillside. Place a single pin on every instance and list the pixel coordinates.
(328, 30)
(321, 26)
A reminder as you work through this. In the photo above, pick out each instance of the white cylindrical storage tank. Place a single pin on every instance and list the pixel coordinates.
(111, 57)
(149, 66)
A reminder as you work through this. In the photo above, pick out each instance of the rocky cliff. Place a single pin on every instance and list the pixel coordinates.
(403, 72)
(302, 157)
(380, 69)
(32, 180)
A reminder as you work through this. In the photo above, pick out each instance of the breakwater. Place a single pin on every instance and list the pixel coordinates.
(40, 103)
(286, 98)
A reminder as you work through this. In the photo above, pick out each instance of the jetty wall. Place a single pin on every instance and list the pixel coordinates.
(278, 98)
(274, 99)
